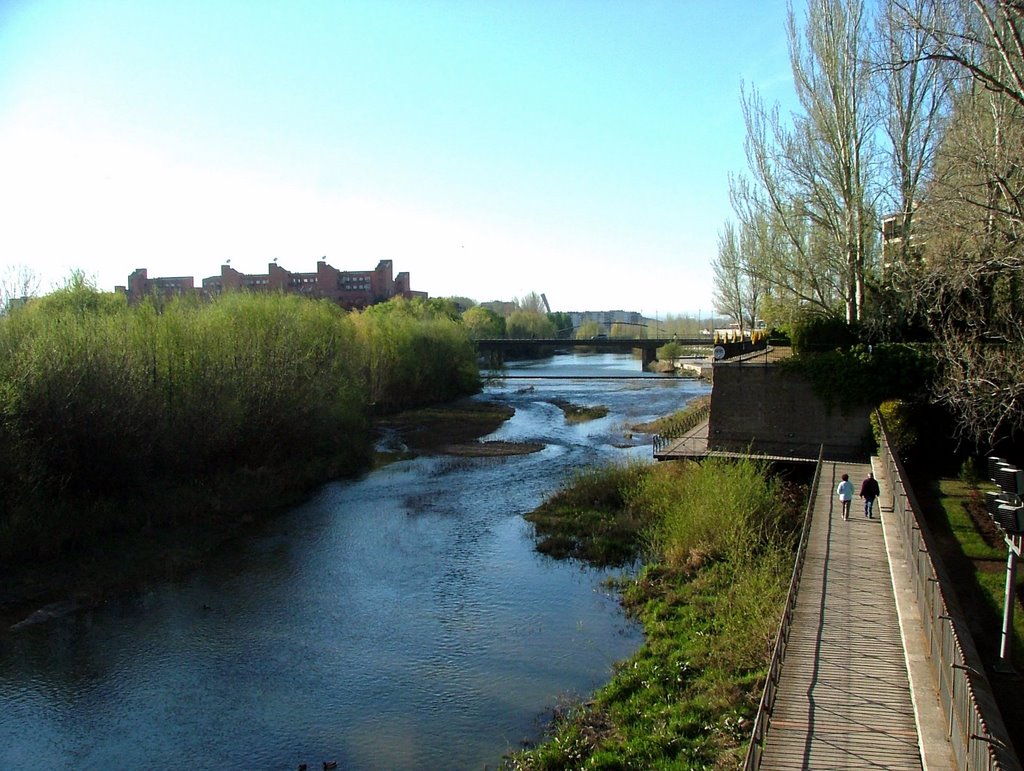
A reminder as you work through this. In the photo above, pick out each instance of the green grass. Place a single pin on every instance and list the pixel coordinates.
(590, 518)
(956, 497)
(986, 552)
(709, 600)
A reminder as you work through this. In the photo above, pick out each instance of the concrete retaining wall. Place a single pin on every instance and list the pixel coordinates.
(758, 407)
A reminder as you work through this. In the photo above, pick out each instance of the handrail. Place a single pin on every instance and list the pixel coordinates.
(975, 728)
(680, 426)
(767, 704)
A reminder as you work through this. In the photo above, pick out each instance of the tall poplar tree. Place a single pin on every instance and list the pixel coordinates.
(811, 180)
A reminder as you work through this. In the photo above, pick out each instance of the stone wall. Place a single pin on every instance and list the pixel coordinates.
(757, 407)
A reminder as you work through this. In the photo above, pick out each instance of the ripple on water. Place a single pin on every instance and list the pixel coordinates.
(400, 621)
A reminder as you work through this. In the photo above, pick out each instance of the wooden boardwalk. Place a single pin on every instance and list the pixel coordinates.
(844, 698)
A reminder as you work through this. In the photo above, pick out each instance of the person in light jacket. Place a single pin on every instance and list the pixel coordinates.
(845, 493)
(869, 491)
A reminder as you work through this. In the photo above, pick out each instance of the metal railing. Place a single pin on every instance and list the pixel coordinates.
(680, 426)
(771, 686)
(975, 728)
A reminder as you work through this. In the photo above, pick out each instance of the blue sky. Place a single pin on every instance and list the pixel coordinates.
(578, 148)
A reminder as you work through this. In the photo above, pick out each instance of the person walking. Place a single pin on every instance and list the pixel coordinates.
(845, 493)
(869, 491)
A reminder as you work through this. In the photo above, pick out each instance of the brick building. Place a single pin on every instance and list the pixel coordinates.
(140, 285)
(349, 289)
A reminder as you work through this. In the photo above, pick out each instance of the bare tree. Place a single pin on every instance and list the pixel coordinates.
(729, 295)
(969, 282)
(18, 282)
(811, 181)
(982, 38)
(739, 289)
(915, 102)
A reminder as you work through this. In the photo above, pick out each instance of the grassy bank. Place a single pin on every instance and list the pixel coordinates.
(718, 541)
(975, 552)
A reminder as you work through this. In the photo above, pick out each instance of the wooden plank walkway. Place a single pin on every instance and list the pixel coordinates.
(844, 697)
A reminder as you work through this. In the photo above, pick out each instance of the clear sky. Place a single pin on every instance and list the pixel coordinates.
(491, 148)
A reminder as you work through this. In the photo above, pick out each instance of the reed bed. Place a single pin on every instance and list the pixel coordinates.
(101, 402)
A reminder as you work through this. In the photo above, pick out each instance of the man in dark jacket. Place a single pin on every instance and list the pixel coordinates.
(869, 491)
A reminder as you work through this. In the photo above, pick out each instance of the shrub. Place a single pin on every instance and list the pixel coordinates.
(717, 509)
(817, 334)
(866, 375)
(100, 401)
(899, 421)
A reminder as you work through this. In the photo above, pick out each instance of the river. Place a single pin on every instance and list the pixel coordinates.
(399, 621)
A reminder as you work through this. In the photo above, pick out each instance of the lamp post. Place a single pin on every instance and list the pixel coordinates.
(1007, 512)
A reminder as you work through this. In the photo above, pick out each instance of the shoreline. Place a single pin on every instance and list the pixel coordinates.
(115, 564)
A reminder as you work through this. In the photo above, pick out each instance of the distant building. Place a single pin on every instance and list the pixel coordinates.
(897, 242)
(607, 319)
(140, 285)
(501, 307)
(349, 289)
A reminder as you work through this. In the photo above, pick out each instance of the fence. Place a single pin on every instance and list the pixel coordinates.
(678, 427)
(976, 732)
(771, 686)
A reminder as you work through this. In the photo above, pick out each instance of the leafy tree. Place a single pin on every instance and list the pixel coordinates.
(531, 303)
(588, 330)
(627, 331)
(438, 307)
(79, 295)
(529, 325)
(562, 322)
(483, 323)
(464, 303)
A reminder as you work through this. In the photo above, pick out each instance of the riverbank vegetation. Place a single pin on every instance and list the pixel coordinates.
(577, 413)
(117, 417)
(718, 542)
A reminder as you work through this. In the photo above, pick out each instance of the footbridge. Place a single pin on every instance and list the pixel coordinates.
(874, 665)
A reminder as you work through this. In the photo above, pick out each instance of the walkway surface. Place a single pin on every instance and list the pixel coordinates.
(844, 699)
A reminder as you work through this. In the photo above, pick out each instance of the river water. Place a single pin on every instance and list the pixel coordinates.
(400, 621)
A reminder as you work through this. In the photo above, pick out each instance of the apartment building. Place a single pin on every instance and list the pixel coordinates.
(349, 289)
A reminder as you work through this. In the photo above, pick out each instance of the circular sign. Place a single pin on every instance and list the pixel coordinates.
(719, 353)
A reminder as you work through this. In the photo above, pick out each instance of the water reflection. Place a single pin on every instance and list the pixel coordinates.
(403, 621)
